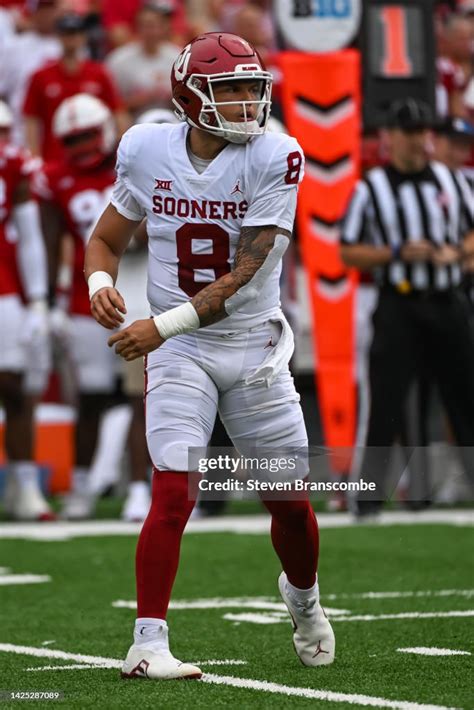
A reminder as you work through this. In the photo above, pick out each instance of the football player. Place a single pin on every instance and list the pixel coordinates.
(72, 194)
(219, 196)
(24, 319)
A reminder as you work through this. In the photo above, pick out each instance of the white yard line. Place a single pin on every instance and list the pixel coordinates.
(432, 651)
(276, 617)
(82, 666)
(240, 524)
(226, 603)
(71, 667)
(407, 615)
(403, 595)
(11, 579)
(273, 612)
(235, 682)
(324, 695)
(62, 655)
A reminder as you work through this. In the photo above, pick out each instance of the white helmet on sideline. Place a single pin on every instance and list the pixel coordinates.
(85, 126)
(157, 115)
(6, 116)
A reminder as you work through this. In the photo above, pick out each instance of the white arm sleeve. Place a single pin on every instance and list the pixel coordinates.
(123, 198)
(31, 252)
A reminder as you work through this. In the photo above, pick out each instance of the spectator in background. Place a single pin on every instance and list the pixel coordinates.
(455, 66)
(453, 142)
(21, 55)
(70, 75)
(118, 17)
(142, 68)
(206, 15)
(255, 25)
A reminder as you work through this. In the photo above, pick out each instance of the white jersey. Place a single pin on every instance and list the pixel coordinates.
(194, 220)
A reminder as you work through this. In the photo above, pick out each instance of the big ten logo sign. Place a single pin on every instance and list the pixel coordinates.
(322, 8)
(318, 25)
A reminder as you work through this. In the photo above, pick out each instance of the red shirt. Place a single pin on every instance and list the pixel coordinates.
(15, 165)
(52, 84)
(81, 197)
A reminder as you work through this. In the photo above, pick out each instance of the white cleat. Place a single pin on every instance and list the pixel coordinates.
(157, 665)
(78, 506)
(313, 637)
(137, 503)
(29, 503)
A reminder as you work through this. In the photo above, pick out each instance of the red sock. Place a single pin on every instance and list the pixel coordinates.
(159, 543)
(295, 538)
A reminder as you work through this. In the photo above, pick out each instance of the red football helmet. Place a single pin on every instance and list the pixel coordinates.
(213, 57)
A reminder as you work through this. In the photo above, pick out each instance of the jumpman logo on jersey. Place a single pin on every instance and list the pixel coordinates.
(237, 188)
(319, 650)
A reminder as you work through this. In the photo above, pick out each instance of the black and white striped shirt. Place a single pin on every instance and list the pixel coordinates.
(390, 208)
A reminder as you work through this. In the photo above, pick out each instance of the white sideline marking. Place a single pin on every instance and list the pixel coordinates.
(240, 524)
(11, 579)
(432, 651)
(274, 617)
(275, 612)
(226, 603)
(324, 695)
(81, 666)
(407, 615)
(219, 662)
(403, 595)
(72, 666)
(63, 655)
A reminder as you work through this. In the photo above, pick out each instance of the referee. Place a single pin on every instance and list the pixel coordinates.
(411, 224)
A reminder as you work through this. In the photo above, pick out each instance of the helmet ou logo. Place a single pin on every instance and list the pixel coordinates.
(181, 64)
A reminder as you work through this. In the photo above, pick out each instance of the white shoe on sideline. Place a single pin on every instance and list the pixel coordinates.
(313, 637)
(159, 664)
(137, 503)
(78, 506)
(29, 503)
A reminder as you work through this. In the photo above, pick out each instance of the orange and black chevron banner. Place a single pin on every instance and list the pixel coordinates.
(321, 96)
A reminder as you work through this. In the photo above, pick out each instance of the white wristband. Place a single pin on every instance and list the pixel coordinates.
(98, 280)
(179, 320)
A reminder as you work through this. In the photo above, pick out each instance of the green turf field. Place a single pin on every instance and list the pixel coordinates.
(74, 613)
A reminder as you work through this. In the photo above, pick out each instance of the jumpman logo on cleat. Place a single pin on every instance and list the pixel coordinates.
(141, 669)
(319, 650)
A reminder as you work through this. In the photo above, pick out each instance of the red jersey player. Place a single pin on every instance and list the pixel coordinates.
(23, 315)
(72, 195)
(219, 196)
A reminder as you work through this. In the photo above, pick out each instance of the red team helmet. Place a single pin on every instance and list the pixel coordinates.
(85, 126)
(210, 58)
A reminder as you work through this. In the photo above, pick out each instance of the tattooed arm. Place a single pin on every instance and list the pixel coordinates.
(252, 258)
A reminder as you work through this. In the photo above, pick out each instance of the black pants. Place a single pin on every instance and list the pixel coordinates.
(414, 334)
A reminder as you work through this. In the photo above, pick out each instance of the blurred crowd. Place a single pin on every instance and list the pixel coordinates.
(121, 52)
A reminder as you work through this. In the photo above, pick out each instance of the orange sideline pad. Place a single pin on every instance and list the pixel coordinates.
(54, 445)
(321, 97)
